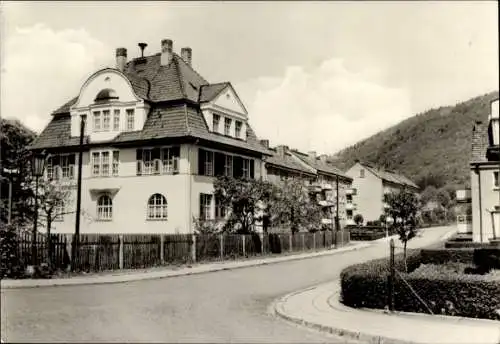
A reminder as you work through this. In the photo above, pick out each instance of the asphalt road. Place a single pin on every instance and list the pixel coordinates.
(225, 306)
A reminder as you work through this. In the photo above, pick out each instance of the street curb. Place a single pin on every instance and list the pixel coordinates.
(25, 284)
(331, 329)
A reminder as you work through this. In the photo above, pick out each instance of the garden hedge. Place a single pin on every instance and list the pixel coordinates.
(475, 296)
(442, 256)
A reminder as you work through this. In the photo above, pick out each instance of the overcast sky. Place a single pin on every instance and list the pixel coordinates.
(313, 75)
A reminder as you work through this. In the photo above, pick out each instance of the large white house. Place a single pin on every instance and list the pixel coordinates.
(156, 134)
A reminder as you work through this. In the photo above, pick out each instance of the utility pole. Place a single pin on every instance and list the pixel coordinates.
(337, 224)
(76, 237)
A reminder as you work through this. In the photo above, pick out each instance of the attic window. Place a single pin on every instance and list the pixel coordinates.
(106, 94)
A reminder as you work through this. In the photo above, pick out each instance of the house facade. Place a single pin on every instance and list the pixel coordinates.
(324, 188)
(484, 193)
(370, 187)
(156, 133)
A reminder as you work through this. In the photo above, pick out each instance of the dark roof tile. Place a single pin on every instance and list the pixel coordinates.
(209, 92)
(479, 142)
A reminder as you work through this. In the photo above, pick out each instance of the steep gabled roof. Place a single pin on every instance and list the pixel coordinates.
(479, 142)
(319, 165)
(161, 123)
(210, 92)
(390, 176)
(287, 161)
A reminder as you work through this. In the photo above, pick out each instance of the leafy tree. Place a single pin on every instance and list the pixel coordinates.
(244, 198)
(403, 208)
(14, 141)
(291, 204)
(429, 194)
(358, 219)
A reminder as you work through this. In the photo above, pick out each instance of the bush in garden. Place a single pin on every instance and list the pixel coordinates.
(11, 264)
(487, 259)
(358, 219)
(445, 291)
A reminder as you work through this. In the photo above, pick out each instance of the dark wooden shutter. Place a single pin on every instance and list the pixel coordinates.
(138, 158)
(219, 161)
(201, 161)
(252, 168)
(237, 167)
(201, 205)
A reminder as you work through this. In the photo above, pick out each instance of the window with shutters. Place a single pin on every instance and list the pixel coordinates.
(60, 166)
(159, 160)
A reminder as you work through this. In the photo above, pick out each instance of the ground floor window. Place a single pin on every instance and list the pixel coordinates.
(157, 207)
(205, 206)
(104, 208)
(349, 214)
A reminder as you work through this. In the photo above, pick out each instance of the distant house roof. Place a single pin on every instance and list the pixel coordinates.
(479, 142)
(319, 165)
(390, 176)
(287, 161)
(158, 84)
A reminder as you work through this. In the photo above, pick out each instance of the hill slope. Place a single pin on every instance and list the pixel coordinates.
(433, 144)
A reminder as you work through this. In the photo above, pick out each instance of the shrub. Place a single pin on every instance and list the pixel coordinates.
(445, 292)
(441, 256)
(487, 259)
(11, 264)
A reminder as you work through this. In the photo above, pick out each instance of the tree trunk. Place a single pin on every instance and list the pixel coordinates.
(404, 256)
(49, 242)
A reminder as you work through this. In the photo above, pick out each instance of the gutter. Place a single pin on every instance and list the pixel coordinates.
(477, 172)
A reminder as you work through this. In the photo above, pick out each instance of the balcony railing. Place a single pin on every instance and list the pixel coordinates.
(463, 195)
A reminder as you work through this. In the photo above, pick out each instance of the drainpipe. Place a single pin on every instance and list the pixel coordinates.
(476, 170)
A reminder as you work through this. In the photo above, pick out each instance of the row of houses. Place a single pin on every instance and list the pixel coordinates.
(156, 133)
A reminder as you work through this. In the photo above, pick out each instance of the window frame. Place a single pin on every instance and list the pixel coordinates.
(496, 180)
(227, 126)
(104, 209)
(238, 125)
(169, 162)
(216, 122)
(130, 114)
(97, 121)
(205, 207)
(97, 164)
(116, 119)
(157, 205)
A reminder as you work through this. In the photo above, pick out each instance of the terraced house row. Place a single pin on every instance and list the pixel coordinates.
(155, 135)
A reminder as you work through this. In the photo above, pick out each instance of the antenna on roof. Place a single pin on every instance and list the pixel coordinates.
(142, 46)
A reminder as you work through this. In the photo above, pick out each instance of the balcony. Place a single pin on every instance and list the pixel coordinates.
(464, 196)
(314, 188)
(326, 186)
(325, 221)
(351, 191)
(326, 203)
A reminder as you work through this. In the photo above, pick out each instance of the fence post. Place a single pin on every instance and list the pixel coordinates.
(290, 239)
(221, 238)
(262, 242)
(69, 249)
(121, 251)
(391, 277)
(193, 248)
(162, 248)
(303, 241)
(314, 241)
(244, 246)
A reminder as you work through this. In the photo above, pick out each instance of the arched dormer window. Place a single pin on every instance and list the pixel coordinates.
(106, 95)
(104, 208)
(157, 207)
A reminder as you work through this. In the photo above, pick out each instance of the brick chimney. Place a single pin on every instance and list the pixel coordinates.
(186, 54)
(265, 143)
(121, 58)
(312, 155)
(166, 51)
(281, 149)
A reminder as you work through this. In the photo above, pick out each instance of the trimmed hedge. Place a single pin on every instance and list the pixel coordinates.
(441, 256)
(474, 296)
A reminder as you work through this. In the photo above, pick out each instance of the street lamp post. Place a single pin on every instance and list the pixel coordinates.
(37, 167)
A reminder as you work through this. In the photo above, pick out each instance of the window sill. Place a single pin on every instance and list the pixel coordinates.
(104, 220)
(157, 220)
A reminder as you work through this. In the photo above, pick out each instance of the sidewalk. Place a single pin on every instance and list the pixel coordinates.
(137, 275)
(319, 308)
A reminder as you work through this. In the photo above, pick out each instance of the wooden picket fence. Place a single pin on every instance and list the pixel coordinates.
(100, 252)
